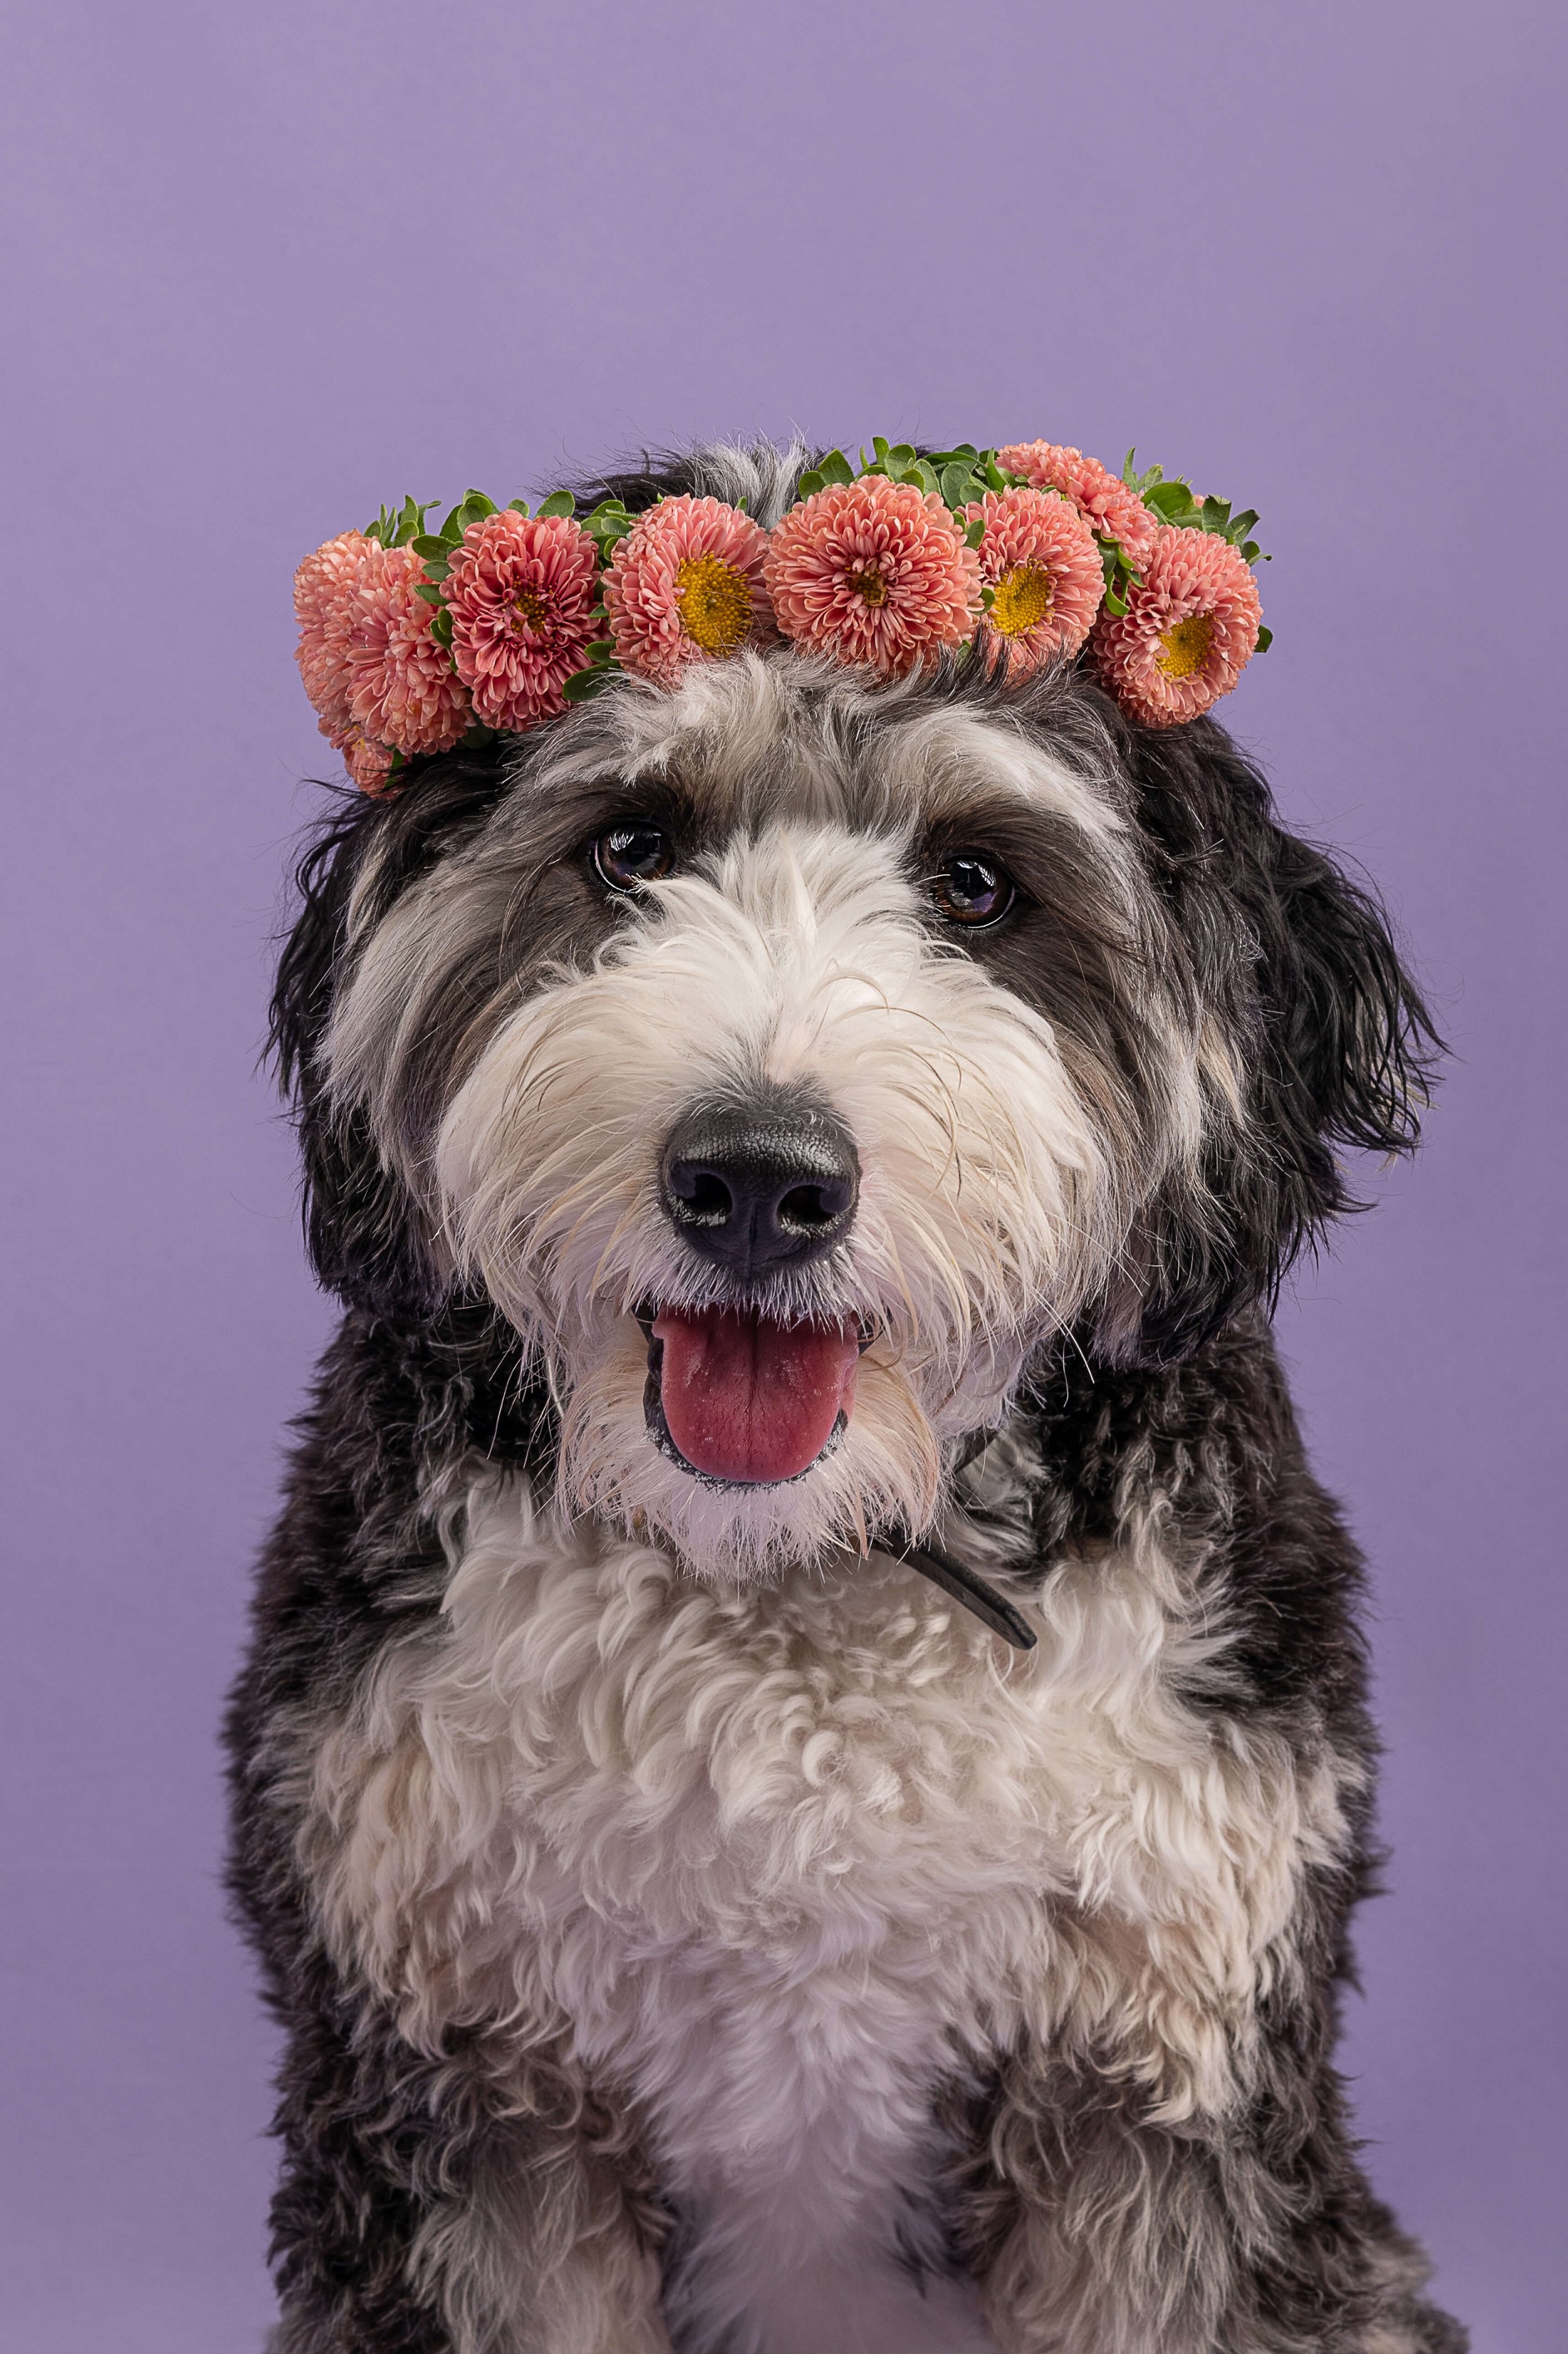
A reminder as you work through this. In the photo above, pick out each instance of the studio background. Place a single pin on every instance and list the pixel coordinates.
(269, 266)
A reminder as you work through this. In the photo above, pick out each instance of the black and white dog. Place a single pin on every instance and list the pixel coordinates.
(797, 1155)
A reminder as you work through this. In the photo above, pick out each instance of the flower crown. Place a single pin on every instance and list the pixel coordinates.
(413, 640)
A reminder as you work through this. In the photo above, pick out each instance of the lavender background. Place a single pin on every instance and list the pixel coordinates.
(267, 266)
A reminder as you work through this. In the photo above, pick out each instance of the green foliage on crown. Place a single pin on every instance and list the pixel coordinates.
(959, 477)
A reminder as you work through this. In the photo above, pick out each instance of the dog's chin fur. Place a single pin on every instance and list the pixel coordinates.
(716, 1962)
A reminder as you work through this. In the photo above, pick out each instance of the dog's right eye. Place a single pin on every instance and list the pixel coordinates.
(637, 851)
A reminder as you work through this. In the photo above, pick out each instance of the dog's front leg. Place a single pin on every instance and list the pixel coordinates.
(469, 2203)
(1248, 2231)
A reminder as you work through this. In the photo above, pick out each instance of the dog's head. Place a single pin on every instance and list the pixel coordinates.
(791, 1059)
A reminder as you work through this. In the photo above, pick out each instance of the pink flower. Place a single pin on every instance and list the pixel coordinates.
(1188, 632)
(369, 764)
(1102, 498)
(686, 586)
(875, 572)
(1039, 559)
(521, 593)
(323, 586)
(402, 687)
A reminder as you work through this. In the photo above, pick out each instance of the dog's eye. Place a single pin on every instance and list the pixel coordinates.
(973, 889)
(637, 851)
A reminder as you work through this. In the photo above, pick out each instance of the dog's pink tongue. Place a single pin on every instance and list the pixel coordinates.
(744, 1399)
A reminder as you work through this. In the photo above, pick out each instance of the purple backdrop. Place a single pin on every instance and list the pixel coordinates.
(271, 265)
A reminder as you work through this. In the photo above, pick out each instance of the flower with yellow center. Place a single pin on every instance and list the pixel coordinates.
(869, 585)
(1021, 600)
(714, 599)
(1188, 630)
(1184, 647)
(685, 585)
(1043, 573)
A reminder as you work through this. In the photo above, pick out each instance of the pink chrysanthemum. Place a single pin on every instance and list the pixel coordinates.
(368, 762)
(323, 587)
(875, 572)
(402, 687)
(1102, 498)
(686, 586)
(1039, 559)
(521, 593)
(1189, 630)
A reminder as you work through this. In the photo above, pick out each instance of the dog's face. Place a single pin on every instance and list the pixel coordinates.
(789, 1060)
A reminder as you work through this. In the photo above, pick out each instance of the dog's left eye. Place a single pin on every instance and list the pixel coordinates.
(973, 889)
(637, 851)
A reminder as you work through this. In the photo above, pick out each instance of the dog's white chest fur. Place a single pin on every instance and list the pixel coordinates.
(778, 1862)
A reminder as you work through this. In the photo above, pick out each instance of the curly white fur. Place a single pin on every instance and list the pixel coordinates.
(779, 1858)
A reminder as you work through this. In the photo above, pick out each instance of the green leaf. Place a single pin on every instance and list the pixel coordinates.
(600, 650)
(584, 686)
(995, 478)
(425, 589)
(1265, 639)
(1169, 499)
(1113, 604)
(1240, 525)
(988, 597)
(470, 509)
(880, 447)
(432, 549)
(441, 627)
(809, 483)
(976, 531)
(1144, 484)
(901, 454)
(835, 468)
(956, 482)
(559, 502)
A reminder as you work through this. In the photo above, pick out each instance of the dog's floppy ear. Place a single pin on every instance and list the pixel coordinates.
(1318, 1033)
(360, 1229)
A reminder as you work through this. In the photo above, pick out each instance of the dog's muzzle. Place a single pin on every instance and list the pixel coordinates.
(759, 1185)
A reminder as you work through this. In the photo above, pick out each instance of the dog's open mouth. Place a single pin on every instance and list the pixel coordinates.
(743, 1401)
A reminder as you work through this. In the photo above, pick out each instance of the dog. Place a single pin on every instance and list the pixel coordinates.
(804, 1765)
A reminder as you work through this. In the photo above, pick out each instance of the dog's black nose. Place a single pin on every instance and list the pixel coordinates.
(760, 1186)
